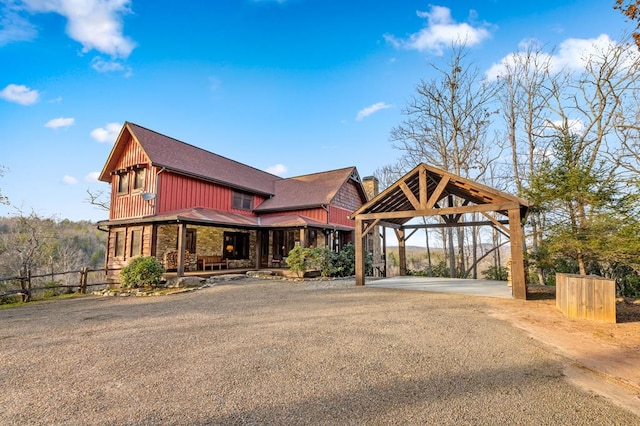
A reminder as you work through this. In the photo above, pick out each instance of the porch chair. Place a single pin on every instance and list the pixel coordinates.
(276, 261)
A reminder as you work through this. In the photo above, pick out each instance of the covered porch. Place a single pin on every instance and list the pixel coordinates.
(208, 242)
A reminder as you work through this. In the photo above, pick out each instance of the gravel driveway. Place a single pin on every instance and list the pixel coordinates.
(270, 352)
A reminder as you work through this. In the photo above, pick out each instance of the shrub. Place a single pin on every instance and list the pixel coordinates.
(325, 261)
(330, 264)
(142, 271)
(345, 261)
(297, 260)
(496, 274)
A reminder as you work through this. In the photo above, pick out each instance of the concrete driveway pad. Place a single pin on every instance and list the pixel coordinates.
(445, 285)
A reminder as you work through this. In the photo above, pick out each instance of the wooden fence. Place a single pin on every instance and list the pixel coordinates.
(586, 297)
(30, 285)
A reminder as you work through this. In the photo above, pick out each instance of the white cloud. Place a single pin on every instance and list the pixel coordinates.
(365, 112)
(575, 125)
(572, 54)
(13, 26)
(92, 177)
(20, 94)
(96, 24)
(278, 169)
(107, 134)
(56, 123)
(441, 32)
(69, 180)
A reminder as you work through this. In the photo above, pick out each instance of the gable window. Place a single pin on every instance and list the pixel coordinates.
(138, 178)
(119, 243)
(136, 242)
(242, 201)
(123, 183)
(236, 245)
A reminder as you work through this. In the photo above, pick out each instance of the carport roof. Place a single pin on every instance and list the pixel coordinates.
(421, 192)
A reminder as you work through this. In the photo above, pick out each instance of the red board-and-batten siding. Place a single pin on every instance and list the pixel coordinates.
(131, 203)
(318, 214)
(174, 192)
(179, 192)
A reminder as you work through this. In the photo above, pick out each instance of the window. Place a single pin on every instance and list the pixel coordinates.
(119, 243)
(190, 243)
(136, 242)
(123, 183)
(138, 179)
(191, 240)
(242, 201)
(236, 245)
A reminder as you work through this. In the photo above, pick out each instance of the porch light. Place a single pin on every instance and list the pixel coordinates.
(229, 248)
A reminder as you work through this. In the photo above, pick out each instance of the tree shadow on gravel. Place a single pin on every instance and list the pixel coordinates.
(528, 394)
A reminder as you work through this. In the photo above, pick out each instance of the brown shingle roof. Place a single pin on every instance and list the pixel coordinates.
(298, 192)
(187, 159)
(206, 216)
(306, 191)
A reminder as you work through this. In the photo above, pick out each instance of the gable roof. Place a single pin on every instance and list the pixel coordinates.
(310, 190)
(183, 158)
(418, 193)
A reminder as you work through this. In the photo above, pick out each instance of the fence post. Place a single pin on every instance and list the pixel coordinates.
(25, 284)
(83, 280)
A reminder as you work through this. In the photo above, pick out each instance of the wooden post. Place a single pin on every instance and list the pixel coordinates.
(384, 250)
(359, 248)
(519, 284)
(257, 262)
(182, 239)
(82, 288)
(402, 253)
(303, 237)
(25, 284)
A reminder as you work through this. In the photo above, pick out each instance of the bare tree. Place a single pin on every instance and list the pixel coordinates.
(524, 97)
(23, 248)
(446, 125)
(100, 199)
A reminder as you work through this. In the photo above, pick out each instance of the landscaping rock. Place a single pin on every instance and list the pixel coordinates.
(183, 282)
(259, 274)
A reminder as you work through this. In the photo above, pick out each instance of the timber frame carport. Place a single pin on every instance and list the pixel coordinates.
(429, 191)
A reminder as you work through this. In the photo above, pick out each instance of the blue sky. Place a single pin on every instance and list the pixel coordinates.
(287, 86)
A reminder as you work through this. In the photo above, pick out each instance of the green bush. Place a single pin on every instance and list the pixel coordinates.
(142, 271)
(440, 269)
(325, 261)
(496, 274)
(298, 260)
(330, 264)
